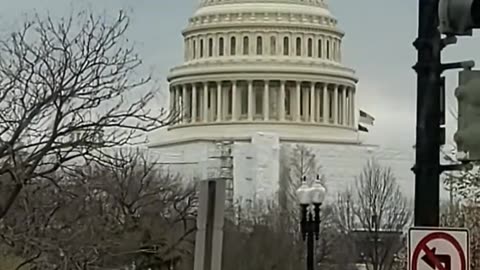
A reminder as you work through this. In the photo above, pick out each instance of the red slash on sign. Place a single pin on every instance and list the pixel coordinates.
(436, 261)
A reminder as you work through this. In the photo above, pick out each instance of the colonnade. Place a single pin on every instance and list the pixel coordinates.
(269, 100)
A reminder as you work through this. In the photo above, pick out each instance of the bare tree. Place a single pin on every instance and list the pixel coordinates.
(68, 89)
(463, 210)
(262, 238)
(295, 164)
(375, 214)
(105, 217)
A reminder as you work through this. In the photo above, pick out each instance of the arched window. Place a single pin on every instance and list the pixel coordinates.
(259, 46)
(273, 45)
(246, 45)
(210, 47)
(310, 47)
(328, 49)
(320, 48)
(286, 46)
(298, 45)
(221, 47)
(201, 48)
(233, 46)
(194, 49)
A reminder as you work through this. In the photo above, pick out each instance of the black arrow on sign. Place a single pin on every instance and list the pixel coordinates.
(442, 258)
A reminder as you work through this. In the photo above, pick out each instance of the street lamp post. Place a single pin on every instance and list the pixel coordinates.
(310, 198)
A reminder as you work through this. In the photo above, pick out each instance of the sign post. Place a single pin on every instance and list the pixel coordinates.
(438, 249)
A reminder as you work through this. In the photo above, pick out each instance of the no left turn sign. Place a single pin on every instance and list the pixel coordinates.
(438, 249)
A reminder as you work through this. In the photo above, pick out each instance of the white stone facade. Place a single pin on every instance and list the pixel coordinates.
(265, 73)
(256, 164)
(268, 65)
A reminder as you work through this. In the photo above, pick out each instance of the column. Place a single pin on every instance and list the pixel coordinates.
(197, 48)
(172, 99)
(352, 108)
(205, 102)
(250, 101)
(234, 101)
(279, 44)
(219, 102)
(179, 100)
(335, 105)
(318, 102)
(305, 95)
(266, 101)
(184, 104)
(339, 50)
(213, 104)
(281, 107)
(215, 42)
(312, 102)
(175, 102)
(324, 47)
(345, 106)
(225, 101)
(297, 101)
(194, 103)
(326, 110)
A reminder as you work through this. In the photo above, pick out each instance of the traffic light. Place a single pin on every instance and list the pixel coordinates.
(459, 17)
(467, 136)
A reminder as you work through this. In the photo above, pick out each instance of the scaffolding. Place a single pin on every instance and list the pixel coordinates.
(220, 167)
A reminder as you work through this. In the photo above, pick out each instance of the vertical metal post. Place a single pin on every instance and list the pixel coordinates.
(310, 244)
(428, 68)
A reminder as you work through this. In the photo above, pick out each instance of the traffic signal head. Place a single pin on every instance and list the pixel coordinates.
(467, 136)
(459, 17)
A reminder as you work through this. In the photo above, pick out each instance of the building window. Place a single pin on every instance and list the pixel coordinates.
(259, 46)
(286, 47)
(210, 47)
(328, 49)
(320, 49)
(201, 48)
(273, 45)
(246, 45)
(221, 47)
(310, 47)
(233, 46)
(299, 46)
(194, 49)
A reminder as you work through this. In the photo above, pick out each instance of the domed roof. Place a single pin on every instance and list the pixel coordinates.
(307, 7)
(222, 2)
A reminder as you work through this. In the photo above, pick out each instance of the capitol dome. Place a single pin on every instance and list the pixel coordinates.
(262, 66)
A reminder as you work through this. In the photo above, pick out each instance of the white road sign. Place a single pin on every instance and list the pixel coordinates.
(438, 249)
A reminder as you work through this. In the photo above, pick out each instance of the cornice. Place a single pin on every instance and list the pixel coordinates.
(264, 27)
(316, 3)
(275, 18)
(261, 70)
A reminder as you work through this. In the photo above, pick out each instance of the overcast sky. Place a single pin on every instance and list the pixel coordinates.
(379, 34)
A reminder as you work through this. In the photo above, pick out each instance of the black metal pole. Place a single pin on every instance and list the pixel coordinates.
(310, 246)
(428, 68)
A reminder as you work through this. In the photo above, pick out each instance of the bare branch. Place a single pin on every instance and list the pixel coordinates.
(68, 89)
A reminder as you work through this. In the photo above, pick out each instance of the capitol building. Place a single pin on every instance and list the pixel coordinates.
(260, 76)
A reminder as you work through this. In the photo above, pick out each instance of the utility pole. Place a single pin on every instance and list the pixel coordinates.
(427, 158)
(451, 18)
